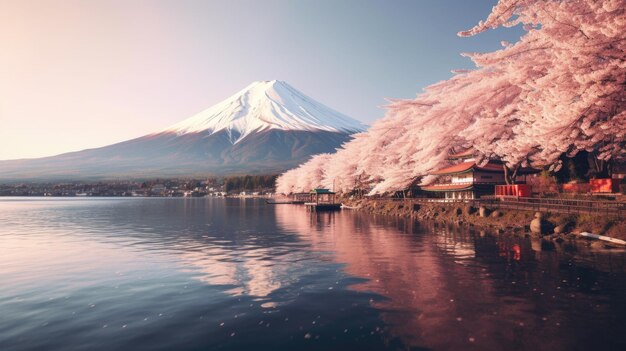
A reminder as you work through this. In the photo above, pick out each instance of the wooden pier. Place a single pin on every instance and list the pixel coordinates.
(312, 206)
(293, 199)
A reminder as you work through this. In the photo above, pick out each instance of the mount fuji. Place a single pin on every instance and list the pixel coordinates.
(267, 127)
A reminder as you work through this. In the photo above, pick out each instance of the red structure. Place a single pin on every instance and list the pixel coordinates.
(575, 188)
(519, 190)
(605, 185)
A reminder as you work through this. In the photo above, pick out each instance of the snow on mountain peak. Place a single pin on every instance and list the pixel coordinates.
(265, 105)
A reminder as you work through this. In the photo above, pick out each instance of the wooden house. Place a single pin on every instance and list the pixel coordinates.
(468, 180)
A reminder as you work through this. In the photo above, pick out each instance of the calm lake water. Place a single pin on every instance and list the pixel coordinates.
(230, 274)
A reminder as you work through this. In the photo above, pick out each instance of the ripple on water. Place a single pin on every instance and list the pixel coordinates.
(174, 274)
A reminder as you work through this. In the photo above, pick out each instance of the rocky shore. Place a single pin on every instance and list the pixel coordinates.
(552, 228)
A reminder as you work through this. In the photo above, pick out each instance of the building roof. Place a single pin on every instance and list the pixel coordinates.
(469, 153)
(448, 187)
(465, 167)
(321, 191)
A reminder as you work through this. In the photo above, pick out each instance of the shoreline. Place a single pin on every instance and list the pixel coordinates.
(554, 229)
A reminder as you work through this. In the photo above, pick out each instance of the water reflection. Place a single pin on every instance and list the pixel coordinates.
(239, 274)
(169, 274)
(448, 288)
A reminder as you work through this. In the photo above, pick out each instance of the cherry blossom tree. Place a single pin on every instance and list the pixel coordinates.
(304, 178)
(560, 89)
(572, 71)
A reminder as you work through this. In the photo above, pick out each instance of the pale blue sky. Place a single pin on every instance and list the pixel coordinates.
(86, 73)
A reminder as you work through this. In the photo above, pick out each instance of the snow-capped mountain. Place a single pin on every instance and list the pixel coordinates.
(267, 105)
(267, 127)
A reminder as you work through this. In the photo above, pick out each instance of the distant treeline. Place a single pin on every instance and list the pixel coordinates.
(250, 182)
(175, 186)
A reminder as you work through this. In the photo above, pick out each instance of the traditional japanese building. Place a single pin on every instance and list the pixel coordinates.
(469, 180)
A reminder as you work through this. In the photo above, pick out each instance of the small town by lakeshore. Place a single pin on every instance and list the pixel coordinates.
(553, 207)
(234, 186)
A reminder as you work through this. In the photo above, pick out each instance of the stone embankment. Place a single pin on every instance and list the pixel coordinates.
(551, 227)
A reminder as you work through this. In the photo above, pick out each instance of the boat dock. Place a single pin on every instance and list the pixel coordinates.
(317, 200)
(322, 200)
(312, 206)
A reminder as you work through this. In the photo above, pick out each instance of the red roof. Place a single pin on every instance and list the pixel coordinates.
(470, 166)
(463, 154)
(448, 187)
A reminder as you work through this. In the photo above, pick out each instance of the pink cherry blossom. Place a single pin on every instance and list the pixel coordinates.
(560, 89)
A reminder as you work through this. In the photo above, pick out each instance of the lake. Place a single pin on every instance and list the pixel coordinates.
(238, 274)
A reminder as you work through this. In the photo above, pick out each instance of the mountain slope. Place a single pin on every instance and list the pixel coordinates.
(267, 105)
(267, 127)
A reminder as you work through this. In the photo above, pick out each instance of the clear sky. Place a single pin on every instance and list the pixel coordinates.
(78, 74)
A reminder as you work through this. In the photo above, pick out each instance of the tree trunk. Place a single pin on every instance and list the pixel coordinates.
(514, 176)
(602, 169)
(510, 175)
